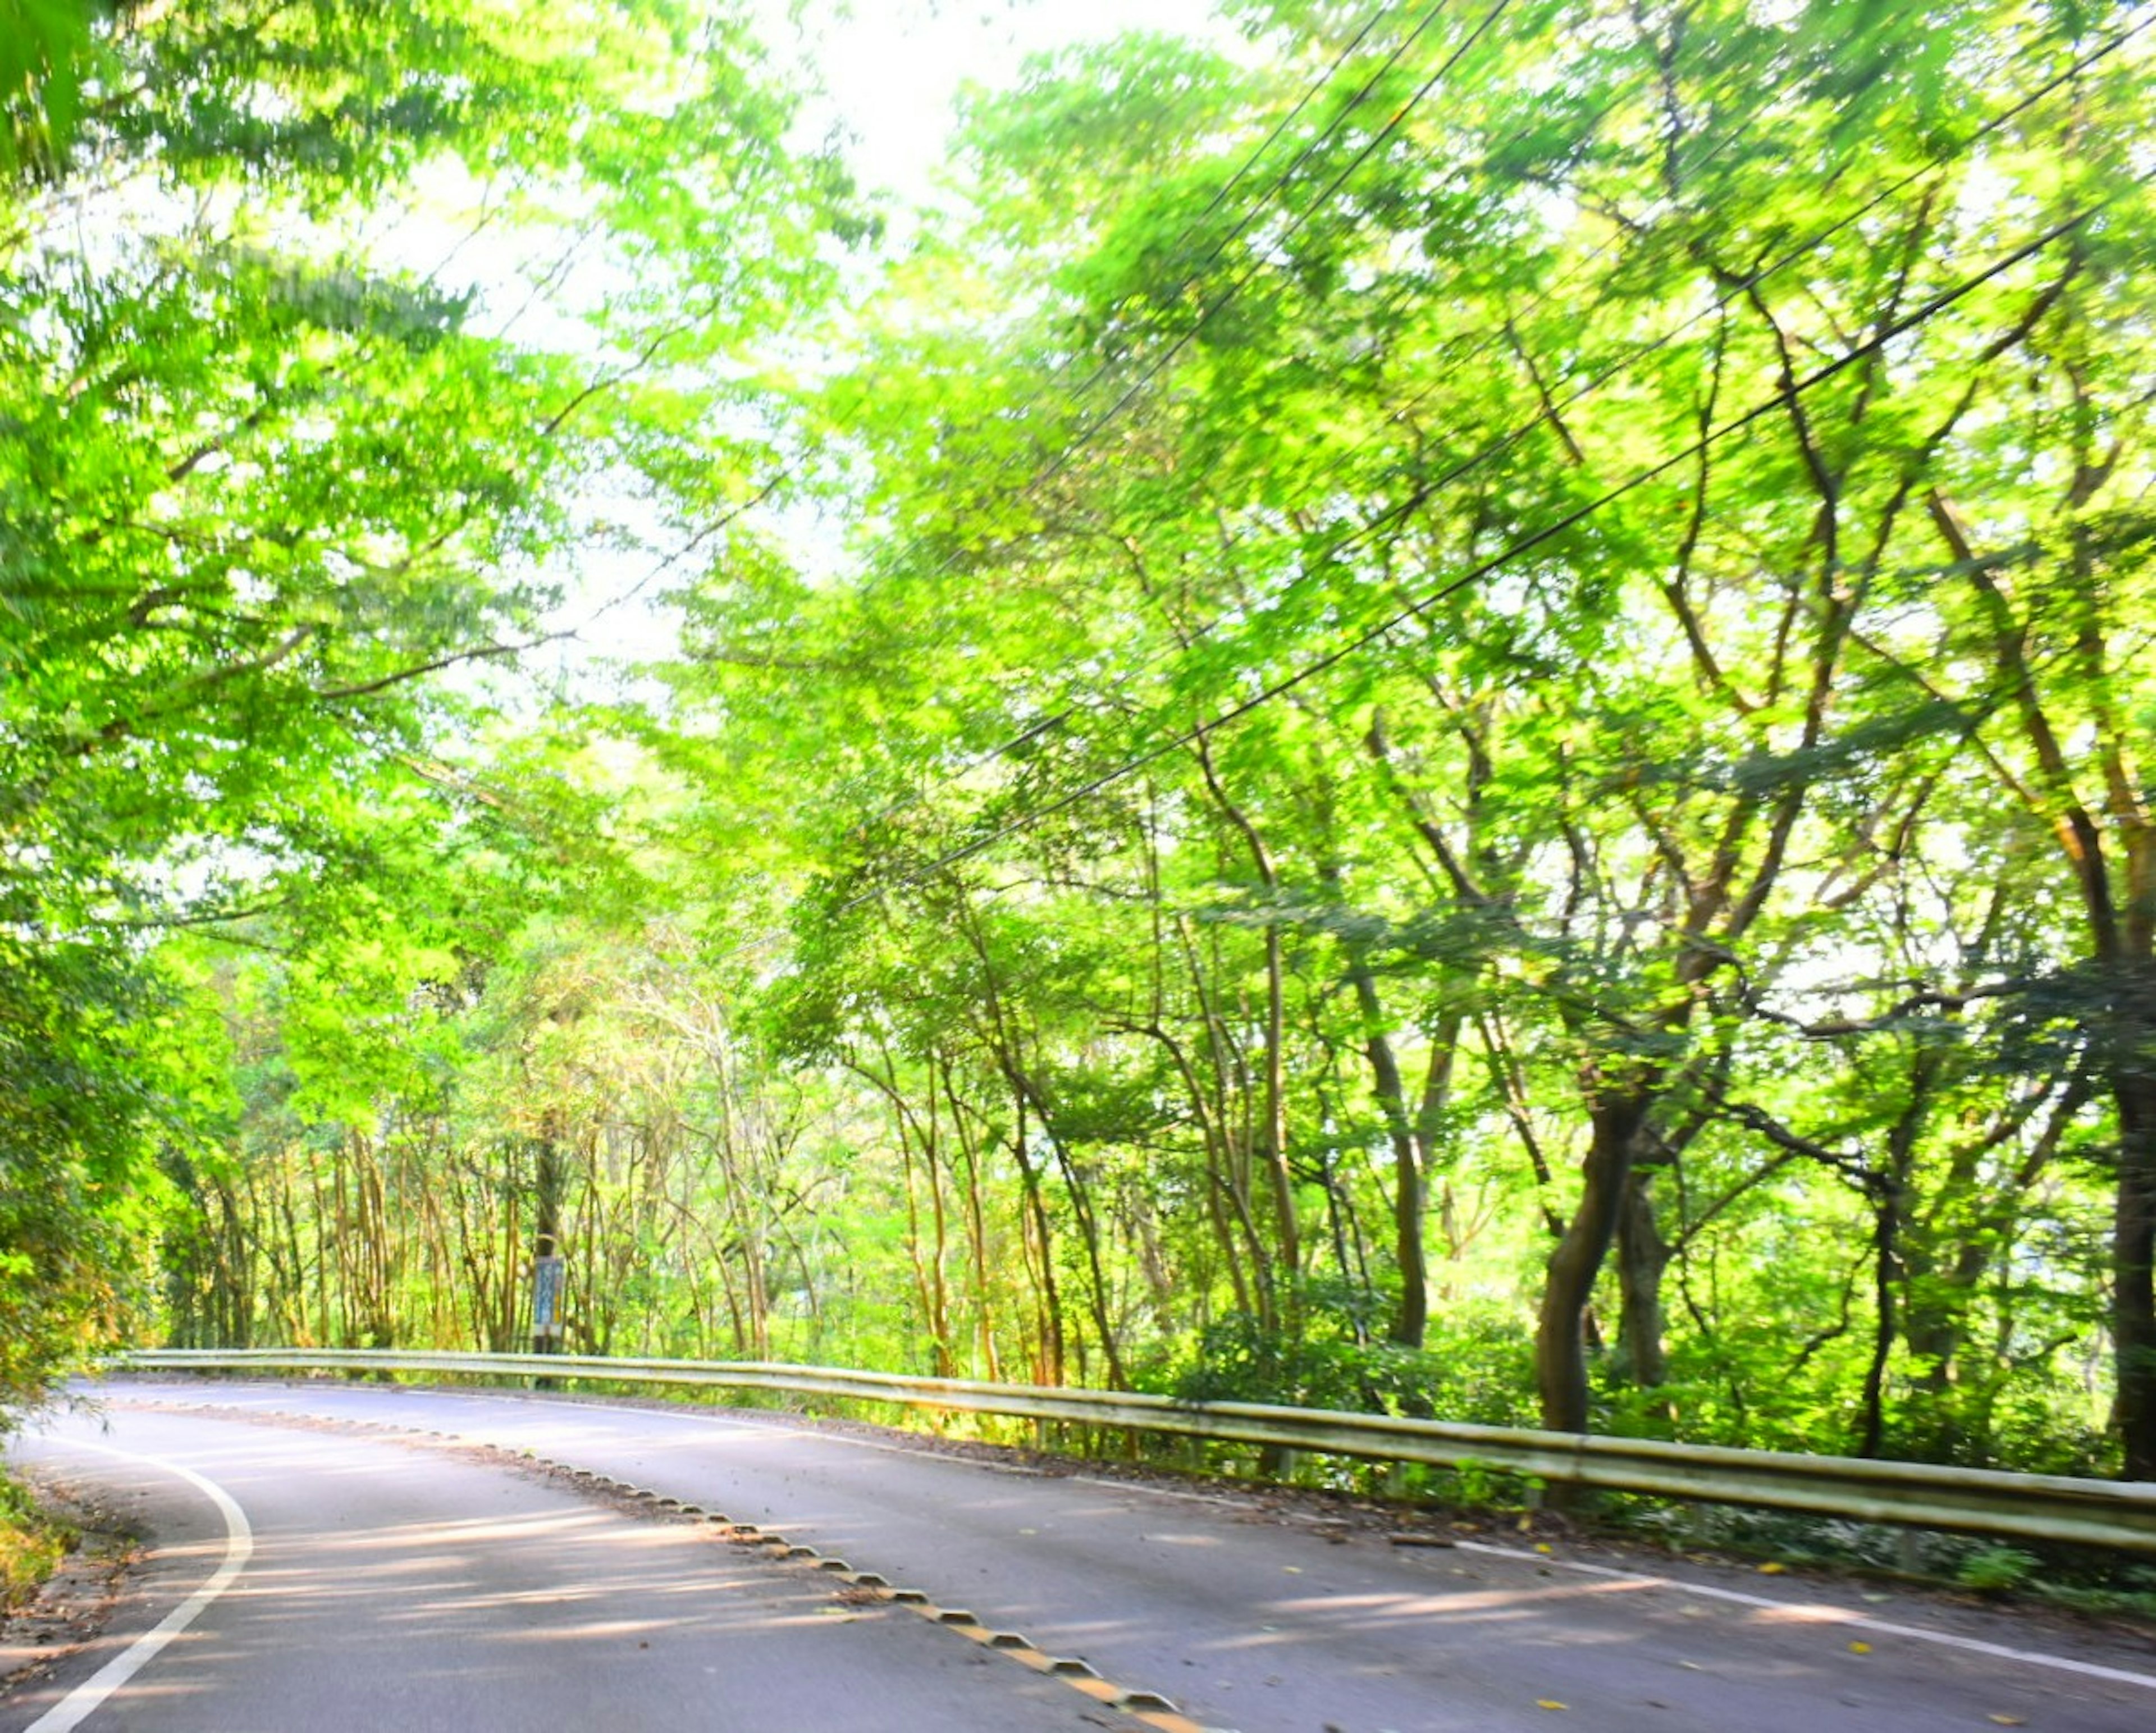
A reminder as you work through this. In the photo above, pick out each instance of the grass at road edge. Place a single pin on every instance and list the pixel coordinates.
(32, 1542)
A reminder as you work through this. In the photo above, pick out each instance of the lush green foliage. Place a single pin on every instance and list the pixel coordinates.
(31, 1544)
(262, 481)
(1471, 736)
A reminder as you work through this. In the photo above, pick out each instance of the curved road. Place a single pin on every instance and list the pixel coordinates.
(341, 1565)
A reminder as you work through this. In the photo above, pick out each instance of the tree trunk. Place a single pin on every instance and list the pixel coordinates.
(1272, 1137)
(2122, 927)
(977, 1236)
(1642, 1255)
(2133, 1251)
(1034, 1224)
(1410, 1196)
(1560, 1340)
(1228, 1199)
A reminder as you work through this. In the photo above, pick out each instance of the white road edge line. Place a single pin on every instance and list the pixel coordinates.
(1226, 1503)
(74, 1709)
(1820, 1613)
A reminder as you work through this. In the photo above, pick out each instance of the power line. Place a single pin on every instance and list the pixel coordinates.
(1509, 439)
(791, 470)
(1421, 607)
(1487, 341)
(1291, 117)
(1323, 136)
(1086, 435)
(1243, 171)
(1064, 456)
(1730, 293)
(1189, 231)
(1279, 184)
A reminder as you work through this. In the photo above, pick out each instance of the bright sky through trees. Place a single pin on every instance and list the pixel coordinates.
(887, 76)
(892, 69)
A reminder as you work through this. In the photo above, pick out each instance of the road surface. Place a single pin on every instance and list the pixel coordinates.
(375, 1573)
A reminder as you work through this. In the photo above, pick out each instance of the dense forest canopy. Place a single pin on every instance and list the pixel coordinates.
(1440, 707)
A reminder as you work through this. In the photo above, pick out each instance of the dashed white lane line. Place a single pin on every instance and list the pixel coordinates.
(72, 1709)
(1229, 1503)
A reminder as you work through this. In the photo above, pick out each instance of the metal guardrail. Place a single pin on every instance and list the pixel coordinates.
(2036, 1507)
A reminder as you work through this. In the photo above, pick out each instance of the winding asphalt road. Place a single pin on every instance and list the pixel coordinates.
(324, 1558)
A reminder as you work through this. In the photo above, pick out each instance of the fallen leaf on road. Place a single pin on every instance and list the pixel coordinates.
(1550, 1703)
(1773, 1567)
(2006, 1720)
(1860, 1648)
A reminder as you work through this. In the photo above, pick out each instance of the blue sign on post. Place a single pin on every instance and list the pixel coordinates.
(546, 1296)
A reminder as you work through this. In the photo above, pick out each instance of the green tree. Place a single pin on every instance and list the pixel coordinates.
(264, 481)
